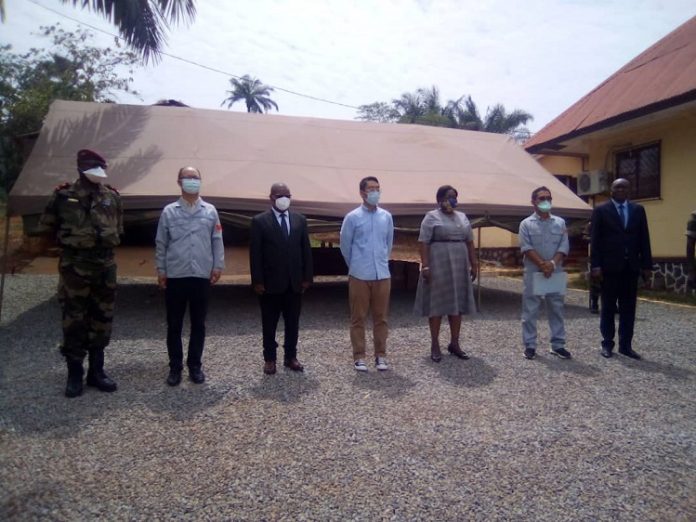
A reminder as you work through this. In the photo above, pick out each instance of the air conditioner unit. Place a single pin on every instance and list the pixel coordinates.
(592, 182)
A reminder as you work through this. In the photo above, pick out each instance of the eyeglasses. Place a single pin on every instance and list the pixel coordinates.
(545, 198)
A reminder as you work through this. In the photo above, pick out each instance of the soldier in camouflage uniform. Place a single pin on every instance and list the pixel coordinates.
(87, 220)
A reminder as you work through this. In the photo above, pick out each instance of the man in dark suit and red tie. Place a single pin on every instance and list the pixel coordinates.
(280, 258)
(620, 251)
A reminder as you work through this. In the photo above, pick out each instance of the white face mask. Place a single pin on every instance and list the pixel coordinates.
(282, 203)
(95, 174)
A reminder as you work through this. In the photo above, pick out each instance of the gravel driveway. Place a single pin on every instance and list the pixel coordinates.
(496, 437)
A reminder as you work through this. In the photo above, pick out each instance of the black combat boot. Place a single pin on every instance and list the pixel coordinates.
(95, 375)
(594, 304)
(73, 388)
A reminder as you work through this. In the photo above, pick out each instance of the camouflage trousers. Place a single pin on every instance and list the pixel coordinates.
(87, 295)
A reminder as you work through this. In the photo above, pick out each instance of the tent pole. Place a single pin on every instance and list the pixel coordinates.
(4, 258)
(478, 271)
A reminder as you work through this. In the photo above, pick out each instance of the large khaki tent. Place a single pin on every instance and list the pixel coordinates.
(240, 155)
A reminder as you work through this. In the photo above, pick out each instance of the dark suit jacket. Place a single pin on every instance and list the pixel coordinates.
(275, 261)
(612, 246)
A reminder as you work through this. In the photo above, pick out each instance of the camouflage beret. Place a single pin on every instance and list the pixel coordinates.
(89, 157)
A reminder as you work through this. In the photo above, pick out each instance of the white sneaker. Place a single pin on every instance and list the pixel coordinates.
(381, 364)
(360, 366)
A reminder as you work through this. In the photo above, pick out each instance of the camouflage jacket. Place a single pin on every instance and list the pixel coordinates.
(84, 217)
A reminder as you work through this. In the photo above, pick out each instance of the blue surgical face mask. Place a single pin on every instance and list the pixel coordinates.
(373, 197)
(452, 202)
(544, 206)
(191, 185)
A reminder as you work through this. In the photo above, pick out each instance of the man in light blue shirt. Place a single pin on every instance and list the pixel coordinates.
(544, 242)
(190, 256)
(367, 236)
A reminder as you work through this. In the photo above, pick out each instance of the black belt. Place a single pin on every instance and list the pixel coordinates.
(448, 241)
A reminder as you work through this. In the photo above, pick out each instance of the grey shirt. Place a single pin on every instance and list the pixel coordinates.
(189, 240)
(545, 237)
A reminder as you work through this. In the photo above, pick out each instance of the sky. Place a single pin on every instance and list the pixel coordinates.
(534, 55)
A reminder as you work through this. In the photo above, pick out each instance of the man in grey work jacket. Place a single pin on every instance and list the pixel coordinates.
(544, 242)
(190, 256)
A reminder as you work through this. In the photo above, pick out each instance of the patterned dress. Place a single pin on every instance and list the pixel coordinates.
(450, 289)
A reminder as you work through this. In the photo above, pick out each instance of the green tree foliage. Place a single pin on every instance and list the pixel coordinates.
(255, 94)
(72, 69)
(379, 111)
(465, 115)
(141, 23)
(424, 107)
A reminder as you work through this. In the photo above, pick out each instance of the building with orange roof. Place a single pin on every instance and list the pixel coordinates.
(639, 124)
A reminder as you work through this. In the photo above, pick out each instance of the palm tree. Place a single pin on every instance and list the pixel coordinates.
(466, 115)
(141, 23)
(423, 107)
(410, 106)
(254, 93)
(430, 100)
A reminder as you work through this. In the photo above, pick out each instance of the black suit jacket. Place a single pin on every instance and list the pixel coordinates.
(275, 262)
(613, 247)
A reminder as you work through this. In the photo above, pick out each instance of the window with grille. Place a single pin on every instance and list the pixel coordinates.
(641, 167)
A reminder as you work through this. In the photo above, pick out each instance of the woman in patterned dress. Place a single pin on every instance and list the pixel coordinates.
(448, 269)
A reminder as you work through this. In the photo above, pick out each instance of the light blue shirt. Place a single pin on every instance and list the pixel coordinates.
(189, 240)
(545, 237)
(366, 243)
(625, 210)
(279, 220)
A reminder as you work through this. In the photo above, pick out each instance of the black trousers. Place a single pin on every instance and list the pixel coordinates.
(289, 305)
(180, 293)
(622, 287)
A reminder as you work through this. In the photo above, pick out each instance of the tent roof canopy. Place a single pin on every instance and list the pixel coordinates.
(241, 155)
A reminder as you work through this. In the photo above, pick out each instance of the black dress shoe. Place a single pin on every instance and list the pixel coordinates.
(196, 375)
(174, 377)
(294, 365)
(630, 353)
(457, 351)
(606, 352)
(269, 367)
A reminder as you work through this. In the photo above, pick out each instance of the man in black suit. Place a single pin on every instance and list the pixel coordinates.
(280, 258)
(620, 251)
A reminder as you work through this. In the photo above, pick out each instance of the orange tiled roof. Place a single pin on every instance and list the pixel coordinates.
(662, 76)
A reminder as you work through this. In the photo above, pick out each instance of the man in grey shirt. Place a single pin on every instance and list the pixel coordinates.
(190, 256)
(544, 242)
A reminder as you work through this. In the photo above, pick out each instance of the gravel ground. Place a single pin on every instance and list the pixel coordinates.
(496, 437)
